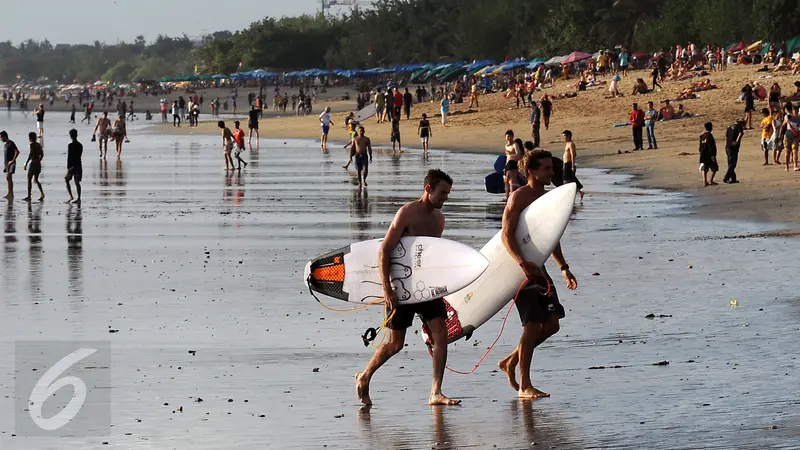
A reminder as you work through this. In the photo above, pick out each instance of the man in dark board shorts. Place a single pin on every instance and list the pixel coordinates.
(10, 154)
(34, 166)
(419, 218)
(537, 302)
(252, 122)
(74, 166)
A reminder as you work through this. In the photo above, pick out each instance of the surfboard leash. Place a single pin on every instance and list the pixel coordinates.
(502, 328)
(371, 333)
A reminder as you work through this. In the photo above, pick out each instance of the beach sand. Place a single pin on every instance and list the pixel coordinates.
(765, 193)
(194, 277)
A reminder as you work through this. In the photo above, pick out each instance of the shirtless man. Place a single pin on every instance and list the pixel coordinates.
(513, 156)
(362, 153)
(418, 218)
(537, 302)
(227, 145)
(570, 153)
(102, 137)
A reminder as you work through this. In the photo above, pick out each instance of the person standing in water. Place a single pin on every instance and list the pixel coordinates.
(238, 137)
(74, 166)
(570, 155)
(537, 302)
(34, 166)
(39, 111)
(422, 217)
(513, 156)
(227, 145)
(362, 155)
(101, 132)
(119, 133)
(10, 155)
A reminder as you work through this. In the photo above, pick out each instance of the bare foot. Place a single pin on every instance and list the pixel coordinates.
(365, 183)
(441, 399)
(362, 390)
(713, 183)
(5, 197)
(26, 199)
(581, 192)
(41, 199)
(510, 372)
(532, 393)
(70, 200)
(77, 201)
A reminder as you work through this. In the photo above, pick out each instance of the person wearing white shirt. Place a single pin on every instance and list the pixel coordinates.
(326, 122)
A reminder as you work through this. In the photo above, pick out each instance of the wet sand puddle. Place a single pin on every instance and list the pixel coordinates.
(194, 277)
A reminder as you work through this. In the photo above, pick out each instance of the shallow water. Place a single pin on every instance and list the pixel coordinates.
(177, 256)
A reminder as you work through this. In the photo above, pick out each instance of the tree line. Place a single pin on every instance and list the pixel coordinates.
(413, 31)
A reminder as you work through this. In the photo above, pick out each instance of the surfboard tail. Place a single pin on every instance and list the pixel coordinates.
(326, 275)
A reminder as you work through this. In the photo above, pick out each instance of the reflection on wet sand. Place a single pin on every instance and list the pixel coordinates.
(75, 249)
(102, 177)
(384, 437)
(10, 222)
(234, 187)
(119, 179)
(35, 248)
(360, 210)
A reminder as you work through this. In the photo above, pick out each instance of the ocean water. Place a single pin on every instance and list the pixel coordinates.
(193, 277)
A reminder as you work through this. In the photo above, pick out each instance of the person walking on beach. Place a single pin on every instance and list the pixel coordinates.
(749, 104)
(238, 137)
(362, 155)
(637, 123)
(791, 135)
(650, 118)
(101, 133)
(422, 217)
(408, 99)
(227, 145)
(252, 123)
(570, 156)
(72, 114)
(445, 109)
(536, 123)
(119, 134)
(547, 109)
(325, 122)
(537, 302)
(733, 139)
(34, 166)
(39, 111)
(380, 106)
(425, 133)
(708, 155)
(10, 155)
(74, 166)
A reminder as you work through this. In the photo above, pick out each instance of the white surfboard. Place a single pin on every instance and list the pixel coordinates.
(422, 269)
(365, 113)
(540, 228)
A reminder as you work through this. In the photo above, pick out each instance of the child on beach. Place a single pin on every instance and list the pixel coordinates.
(238, 137)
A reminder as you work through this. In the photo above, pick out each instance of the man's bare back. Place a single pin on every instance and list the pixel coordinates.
(102, 124)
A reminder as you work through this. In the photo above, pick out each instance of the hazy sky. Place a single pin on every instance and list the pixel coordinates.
(84, 21)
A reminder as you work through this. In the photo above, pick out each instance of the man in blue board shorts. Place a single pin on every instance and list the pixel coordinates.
(422, 217)
(537, 302)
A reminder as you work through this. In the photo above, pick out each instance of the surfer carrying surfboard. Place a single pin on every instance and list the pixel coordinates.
(422, 217)
(537, 301)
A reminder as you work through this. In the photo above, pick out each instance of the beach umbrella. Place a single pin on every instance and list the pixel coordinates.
(554, 61)
(793, 44)
(576, 57)
(640, 55)
(737, 46)
(220, 76)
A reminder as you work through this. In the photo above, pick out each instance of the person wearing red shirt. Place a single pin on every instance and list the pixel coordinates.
(398, 102)
(637, 123)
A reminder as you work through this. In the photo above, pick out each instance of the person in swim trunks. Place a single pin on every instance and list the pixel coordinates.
(513, 155)
(252, 122)
(362, 154)
(34, 166)
(102, 133)
(227, 145)
(10, 154)
(238, 137)
(570, 153)
(74, 166)
(422, 217)
(537, 301)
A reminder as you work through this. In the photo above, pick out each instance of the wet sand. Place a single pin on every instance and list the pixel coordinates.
(175, 256)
